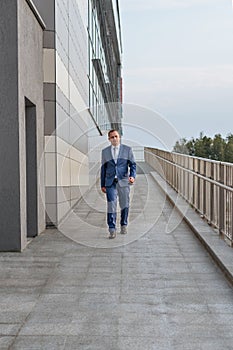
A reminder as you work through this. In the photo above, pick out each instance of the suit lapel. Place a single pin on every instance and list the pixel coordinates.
(109, 154)
(120, 152)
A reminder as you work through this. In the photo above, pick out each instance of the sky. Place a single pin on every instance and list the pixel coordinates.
(178, 63)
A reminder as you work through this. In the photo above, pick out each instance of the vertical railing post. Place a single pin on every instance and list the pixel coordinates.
(221, 200)
(204, 190)
(194, 182)
(198, 186)
(184, 174)
(173, 174)
(187, 181)
(190, 182)
(231, 219)
(212, 195)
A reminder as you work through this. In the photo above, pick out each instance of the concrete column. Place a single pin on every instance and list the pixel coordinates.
(21, 80)
(9, 129)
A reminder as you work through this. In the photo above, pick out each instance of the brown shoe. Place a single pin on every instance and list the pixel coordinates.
(112, 235)
(124, 230)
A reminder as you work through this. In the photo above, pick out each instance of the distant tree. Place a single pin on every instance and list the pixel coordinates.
(218, 148)
(202, 146)
(185, 147)
(190, 146)
(180, 146)
(229, 149)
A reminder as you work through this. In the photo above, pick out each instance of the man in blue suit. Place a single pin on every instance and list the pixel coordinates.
(118, 171)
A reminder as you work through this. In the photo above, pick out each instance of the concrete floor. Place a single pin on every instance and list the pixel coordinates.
(154, 289)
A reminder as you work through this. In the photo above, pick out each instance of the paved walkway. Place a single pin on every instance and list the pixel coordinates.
(156, 289)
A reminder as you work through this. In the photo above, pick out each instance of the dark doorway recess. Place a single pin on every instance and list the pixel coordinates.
(31, 168)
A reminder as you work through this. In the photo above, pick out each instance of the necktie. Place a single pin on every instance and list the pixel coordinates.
(115, 153)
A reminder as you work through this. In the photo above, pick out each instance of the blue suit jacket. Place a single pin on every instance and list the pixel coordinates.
(124, 168)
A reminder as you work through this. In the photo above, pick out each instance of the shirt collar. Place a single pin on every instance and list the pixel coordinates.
(117, 147)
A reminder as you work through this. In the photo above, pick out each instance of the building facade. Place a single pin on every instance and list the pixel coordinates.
(104, 39)
(73, 54)
(65, 96)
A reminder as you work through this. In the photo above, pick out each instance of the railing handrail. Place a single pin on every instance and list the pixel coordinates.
(192, 157)
(228, 188)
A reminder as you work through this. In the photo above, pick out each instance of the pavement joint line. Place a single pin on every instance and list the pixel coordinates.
(221, 253)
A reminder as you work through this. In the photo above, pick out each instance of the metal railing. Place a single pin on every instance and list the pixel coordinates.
(138, 153)
(207, 185)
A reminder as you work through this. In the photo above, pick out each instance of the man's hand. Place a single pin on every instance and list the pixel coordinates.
(103, 189)
(131, 180)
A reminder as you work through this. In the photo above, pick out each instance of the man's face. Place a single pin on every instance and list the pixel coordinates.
(114, 138)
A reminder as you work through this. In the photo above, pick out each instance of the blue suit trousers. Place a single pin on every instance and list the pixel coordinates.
(113, 192)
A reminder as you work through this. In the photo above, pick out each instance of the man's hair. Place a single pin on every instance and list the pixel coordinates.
(113, 130)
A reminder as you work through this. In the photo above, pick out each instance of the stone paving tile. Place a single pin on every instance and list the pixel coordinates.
(9, 329)
(12, 317)
(5, 342)
(228, 339)
(39, 343)
(148, 343)
(66, 329)
(200, 343)
(91, 343)
(148, 329)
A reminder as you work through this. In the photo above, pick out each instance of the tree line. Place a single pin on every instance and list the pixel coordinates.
(216, 148)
